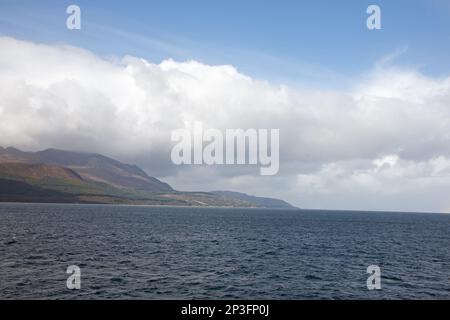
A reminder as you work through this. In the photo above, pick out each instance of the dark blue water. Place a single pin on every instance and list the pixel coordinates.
(184, 253)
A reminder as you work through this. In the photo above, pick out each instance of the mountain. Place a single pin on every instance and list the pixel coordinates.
(260, 201)
(75, 177)
(90, 166)
(16, 191)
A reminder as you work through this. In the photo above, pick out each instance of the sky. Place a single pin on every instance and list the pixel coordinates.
(306, 42)
(364, 115)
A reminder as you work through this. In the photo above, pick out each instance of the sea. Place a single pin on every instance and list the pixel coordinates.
(145, 252)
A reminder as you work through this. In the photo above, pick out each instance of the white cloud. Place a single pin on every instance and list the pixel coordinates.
(382, 145)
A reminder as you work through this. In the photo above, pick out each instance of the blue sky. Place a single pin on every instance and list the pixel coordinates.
(323, 43)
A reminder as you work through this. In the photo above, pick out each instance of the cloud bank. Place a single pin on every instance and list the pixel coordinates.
(384, 144)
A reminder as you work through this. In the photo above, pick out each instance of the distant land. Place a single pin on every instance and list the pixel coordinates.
(58, 176)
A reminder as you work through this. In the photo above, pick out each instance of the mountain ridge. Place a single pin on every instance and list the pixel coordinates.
(83, 177)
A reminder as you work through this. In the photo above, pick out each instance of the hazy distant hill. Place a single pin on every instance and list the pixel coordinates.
(66, 176)
(261, 201)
